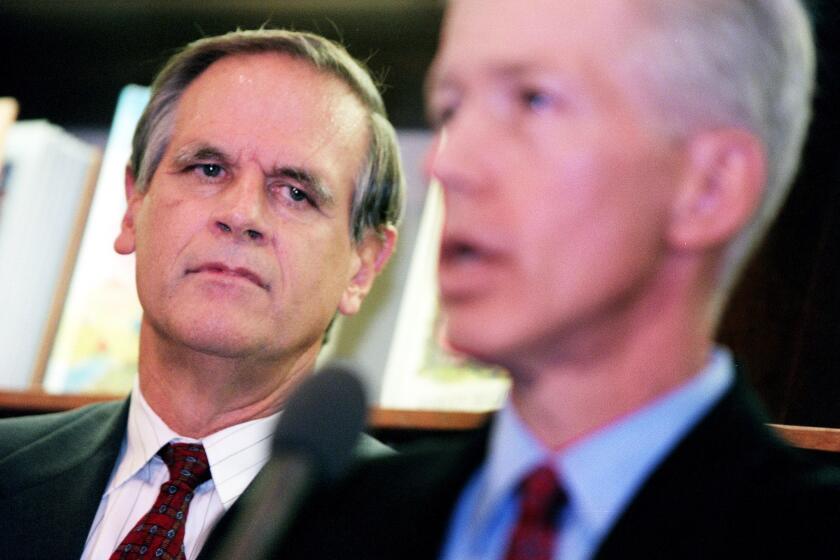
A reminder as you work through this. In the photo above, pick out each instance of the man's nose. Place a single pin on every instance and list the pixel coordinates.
(458, 156)
(240, 212)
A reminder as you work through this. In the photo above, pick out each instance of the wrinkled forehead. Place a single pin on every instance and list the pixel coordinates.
(268, 86)
(279, 111)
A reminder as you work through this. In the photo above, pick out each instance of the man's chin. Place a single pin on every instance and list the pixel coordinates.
(469, 341)
(217, 338)
(233, 346)
(496, 343)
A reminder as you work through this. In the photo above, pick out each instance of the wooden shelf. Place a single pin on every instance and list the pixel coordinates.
(432, 420)
(809, 437)
(37, 402)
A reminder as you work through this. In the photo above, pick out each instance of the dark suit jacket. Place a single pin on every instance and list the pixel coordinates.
(53, 472)
(730, 489)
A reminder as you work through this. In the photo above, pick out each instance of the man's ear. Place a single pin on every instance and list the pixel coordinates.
(720, 191)
(372, 254)
(125, 242)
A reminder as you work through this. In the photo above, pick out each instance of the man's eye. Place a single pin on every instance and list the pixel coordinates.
(297, 195)
(211, 169)
(535, 99)
(442, 115)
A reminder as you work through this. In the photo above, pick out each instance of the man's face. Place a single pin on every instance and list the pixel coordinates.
(242, 238)
(557, 185)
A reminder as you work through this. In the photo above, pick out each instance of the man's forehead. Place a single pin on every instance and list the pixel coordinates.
(535, 25)
(267, 89)
(503, 39)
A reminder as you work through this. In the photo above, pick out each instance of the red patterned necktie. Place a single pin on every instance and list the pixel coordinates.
(540, 500)
(160, 533)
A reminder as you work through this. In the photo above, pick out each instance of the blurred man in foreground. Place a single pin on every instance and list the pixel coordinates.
(607, 167)
(263, 192)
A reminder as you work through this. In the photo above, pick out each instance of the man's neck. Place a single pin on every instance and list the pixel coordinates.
(614, 370)
(197, 394)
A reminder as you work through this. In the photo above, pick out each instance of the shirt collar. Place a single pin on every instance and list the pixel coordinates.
(602, 472)
(236, 454)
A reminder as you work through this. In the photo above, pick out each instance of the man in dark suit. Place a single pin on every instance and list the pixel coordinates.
(263, 191)
(607, 168)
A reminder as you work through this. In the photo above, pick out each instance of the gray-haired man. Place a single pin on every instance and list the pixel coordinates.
(263, 193)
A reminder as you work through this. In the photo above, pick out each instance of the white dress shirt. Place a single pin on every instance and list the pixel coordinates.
(236, 454)
(600, 473)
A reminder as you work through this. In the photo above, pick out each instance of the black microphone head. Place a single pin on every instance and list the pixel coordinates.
(323, 419)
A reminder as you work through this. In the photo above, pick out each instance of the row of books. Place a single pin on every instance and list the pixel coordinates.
(60, 206)
(69, 315)
(47, 184)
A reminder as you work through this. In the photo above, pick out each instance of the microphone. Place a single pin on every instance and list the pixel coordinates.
(314, 443)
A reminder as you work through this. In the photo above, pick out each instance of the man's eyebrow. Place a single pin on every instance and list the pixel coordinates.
(199, 152)
(311, 182)
(437, 79)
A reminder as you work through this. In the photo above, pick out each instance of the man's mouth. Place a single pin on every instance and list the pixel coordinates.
(224, 270)
(454, 251)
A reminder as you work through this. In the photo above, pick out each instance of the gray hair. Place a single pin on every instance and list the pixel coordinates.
(379, 189)
(744, 63)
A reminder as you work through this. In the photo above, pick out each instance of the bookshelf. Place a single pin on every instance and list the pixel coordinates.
(14, 403)
(392, 426)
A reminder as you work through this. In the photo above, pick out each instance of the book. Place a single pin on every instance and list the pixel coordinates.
(49, 180)
(8, 113)
(97, 338)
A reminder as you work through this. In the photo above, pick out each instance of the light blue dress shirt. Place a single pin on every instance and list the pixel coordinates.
(600, 473)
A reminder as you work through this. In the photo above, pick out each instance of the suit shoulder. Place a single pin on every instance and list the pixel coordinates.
(18, 432)
(416, 467)
(810, 486)
(389, 506)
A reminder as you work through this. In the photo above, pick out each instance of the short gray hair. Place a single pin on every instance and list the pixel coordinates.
(379, 190)
(744, 63)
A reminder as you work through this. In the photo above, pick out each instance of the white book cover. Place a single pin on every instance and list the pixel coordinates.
(48, 171)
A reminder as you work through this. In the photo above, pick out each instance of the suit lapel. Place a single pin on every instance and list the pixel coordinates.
(679, 506)
(415, 518)
(50, 489)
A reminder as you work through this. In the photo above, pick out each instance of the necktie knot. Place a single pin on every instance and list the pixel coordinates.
(187, 463)
(160, 533)
(541, 495)
(540, 500)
